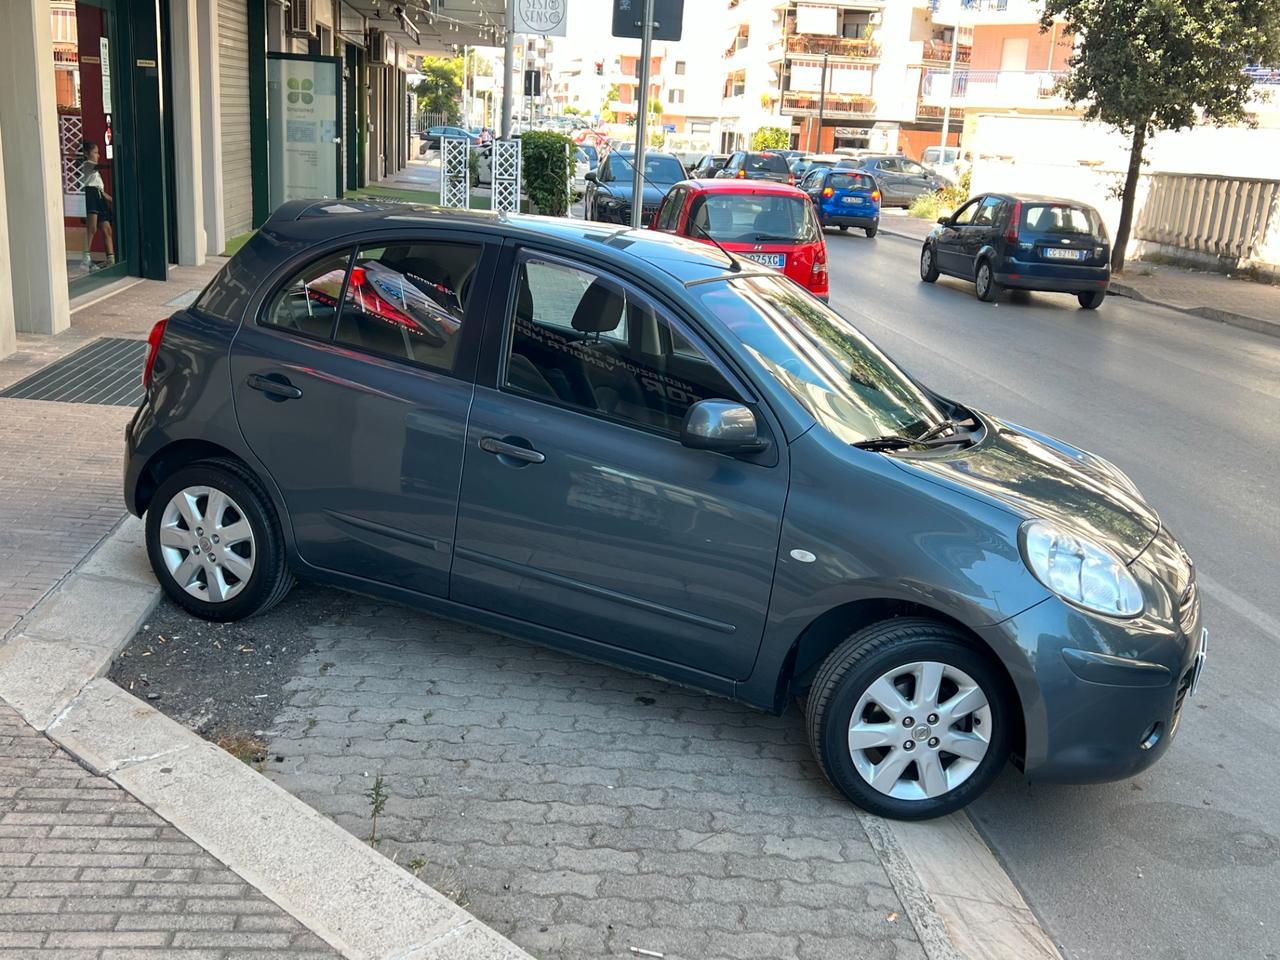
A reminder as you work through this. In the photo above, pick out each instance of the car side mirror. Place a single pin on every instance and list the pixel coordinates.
(591, 175)
(945, 221)
(724, 426)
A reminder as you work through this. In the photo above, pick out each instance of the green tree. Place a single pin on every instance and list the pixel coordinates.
(606, 115)
(770, 138)
(1147, 65)
(440, 89)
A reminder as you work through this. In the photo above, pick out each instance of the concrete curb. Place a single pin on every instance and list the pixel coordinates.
(1270, 328)
(358, 901)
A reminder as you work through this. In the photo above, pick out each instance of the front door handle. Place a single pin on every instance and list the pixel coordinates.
(275, 386)
(502, 448)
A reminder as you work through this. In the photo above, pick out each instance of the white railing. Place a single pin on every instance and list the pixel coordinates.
(992, 88)
(1232, 220)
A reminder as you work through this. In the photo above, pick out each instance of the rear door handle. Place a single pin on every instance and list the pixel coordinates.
(276, 386)
(502, 448)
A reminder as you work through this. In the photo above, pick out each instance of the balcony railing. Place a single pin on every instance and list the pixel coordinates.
(835, 46)
(939, 51)
(837, 105)
(993, 88)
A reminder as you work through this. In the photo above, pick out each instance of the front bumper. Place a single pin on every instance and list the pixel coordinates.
(1102, 699)
(621, 214)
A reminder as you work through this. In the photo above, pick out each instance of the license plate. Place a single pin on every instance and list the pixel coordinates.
(768, 259)
(1057, 253)
(850, 199)
(1202, 653)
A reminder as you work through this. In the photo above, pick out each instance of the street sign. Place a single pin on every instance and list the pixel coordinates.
(533, 83)
(628, 15)
(546, 17)
(669, 127)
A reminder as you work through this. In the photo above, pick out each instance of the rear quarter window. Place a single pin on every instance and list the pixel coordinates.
(227, 295)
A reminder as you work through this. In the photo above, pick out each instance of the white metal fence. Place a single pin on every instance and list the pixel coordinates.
(1231, 219)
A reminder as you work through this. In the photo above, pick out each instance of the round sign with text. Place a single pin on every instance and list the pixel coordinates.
(541, 16)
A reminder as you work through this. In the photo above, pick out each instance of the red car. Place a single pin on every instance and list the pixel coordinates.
(770, 223)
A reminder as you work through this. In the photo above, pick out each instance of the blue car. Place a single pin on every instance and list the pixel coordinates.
(1023, 242)
(844, 198)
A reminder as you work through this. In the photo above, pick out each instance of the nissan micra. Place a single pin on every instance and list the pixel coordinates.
(645, 450)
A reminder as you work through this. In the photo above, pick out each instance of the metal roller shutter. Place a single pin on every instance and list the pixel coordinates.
(233, 67)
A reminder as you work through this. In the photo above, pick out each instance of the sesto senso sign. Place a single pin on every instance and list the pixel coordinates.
(546, 17)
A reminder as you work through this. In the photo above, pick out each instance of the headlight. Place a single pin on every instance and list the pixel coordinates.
(610, 202)
(1079, 571)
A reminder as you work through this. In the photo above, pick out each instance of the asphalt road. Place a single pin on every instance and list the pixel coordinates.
(1183, 860)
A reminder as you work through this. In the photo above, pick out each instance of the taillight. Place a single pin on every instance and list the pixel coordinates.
(742, 174)
(153, 347)
(791, 179)
(875, 195)
(1015, 218)
(820, 262)
(828, 192)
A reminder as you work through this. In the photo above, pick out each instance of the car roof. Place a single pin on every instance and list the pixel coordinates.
(718, 185)
(682, 260)
(1036, 198)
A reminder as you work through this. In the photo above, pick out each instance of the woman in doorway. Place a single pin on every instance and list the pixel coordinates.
(97, 209)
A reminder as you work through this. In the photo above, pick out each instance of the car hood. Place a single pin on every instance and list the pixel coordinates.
(653, 192)
(1039, 476)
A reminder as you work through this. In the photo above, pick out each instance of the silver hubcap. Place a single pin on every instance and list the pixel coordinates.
(926, 260)
(207, 544)
(983, 279)
(920, 730)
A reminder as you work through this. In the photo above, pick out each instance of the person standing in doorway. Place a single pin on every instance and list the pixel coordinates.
(97, 208)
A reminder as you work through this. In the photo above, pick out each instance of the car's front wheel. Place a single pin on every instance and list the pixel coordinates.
(1091, 299)
(214, 542)
(908, 720)
(928, 264)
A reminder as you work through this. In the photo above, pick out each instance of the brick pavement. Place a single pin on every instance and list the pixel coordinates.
(578, 809)
(88, 873)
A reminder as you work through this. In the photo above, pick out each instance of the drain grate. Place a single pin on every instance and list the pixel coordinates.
(107, 370)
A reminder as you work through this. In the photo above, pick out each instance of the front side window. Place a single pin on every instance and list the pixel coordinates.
(987, 211)
(309, 302)
(753, 218)
(587, 342)
(964, 215)
(833, 371)
(913, 169)
(407, 300)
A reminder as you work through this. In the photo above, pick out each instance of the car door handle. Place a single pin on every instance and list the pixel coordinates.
(502, 448)
(275, 386)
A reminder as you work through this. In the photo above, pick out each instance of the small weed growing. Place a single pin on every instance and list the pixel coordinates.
(244, 747)
(377, 795)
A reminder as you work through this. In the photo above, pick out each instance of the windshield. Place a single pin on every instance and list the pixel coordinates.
(658, 168)
(832, 370)
(766, 163)
(754, 218)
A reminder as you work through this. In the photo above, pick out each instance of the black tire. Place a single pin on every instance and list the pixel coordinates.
(861, 660)
(871, 231)
(984, 283)
(270, 579)
(928, 264)
(844, 229)
(1091, 299)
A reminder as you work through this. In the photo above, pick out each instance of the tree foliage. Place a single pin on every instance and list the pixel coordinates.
(607, 115)
(770, 138)
(440, 89)
(1148, 65)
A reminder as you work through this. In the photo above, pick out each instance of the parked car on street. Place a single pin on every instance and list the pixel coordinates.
(1026, 242)
(769, 223)
(944, 161)
(844, 198)
(581, 167)
(746, 165)
(802, 164)
(901, 180)
(431, 139)
(609, 189)
(708, 166)
(656, 453)
(592, 152)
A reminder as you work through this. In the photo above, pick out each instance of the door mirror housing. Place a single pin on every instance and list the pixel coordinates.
(724, 426)
(591, 175)
(945, 221)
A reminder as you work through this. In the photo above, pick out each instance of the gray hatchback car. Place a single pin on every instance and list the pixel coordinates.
(646, 451)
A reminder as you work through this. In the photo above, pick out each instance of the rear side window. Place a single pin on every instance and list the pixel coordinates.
(852, 181)
(766, 163)
(309, 302)
(1060, 218)
(407, 300)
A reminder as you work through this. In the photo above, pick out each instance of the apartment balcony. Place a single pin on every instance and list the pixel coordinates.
(1003, 89)
(939, 51)
(925, 111)
(813, 45)
(837, 106)
(985, 12)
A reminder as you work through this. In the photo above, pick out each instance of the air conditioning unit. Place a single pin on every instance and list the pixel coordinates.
(302, 18)
(380, 47)
(875, 18)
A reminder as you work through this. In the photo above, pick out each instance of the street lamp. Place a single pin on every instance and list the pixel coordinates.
(822, 102)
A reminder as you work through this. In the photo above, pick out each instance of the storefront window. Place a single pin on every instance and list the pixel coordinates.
(83, 59)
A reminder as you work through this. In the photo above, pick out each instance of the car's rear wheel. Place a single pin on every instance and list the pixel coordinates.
(908, 720)
(984, 283)
(214, 542)
(844, 229)
(871, 231)
(928, 264)
(1091, 299)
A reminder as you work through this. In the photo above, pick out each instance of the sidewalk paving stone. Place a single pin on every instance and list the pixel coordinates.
(87, 870)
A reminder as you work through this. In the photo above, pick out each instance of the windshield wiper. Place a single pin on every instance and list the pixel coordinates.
(890, 442)
(938, 429)
(930, 438)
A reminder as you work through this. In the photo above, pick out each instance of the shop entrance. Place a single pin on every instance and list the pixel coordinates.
(91, 88)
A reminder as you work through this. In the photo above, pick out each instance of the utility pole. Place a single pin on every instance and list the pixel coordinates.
(466, 93)
(822, 102)
(951, 86)
(642, 118)
(508, 69)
